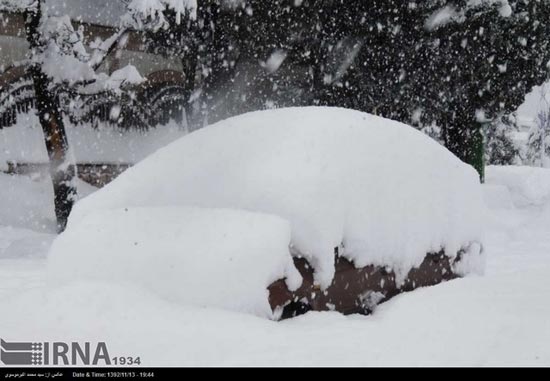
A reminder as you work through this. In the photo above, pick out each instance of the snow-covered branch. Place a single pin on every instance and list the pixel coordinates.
(150, 13)
(66, 60)
(102, 49)
(452, 13)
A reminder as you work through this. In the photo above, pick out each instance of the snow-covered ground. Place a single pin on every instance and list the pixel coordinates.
(170, 262)
(500, 318)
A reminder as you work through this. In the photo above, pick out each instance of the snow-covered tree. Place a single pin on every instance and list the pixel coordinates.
(454, 67)
(500, 148)
(458, 65)
(61, 75)
(538, 143)
(49, 40)
(490, 54)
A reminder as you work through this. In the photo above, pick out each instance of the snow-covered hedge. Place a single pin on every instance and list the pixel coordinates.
(380, 190)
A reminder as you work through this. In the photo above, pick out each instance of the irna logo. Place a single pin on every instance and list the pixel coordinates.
(54, 353)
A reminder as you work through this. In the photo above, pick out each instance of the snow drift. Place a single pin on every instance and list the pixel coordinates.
(527, 186)
(382, 192)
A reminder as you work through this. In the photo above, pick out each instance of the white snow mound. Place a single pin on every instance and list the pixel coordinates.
(528, 186)
(205, 257)
(384, 191)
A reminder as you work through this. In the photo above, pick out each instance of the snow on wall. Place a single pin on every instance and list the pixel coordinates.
(383, 190)
(24, 142)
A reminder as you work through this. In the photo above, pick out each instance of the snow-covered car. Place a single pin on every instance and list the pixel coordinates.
(281, 211)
